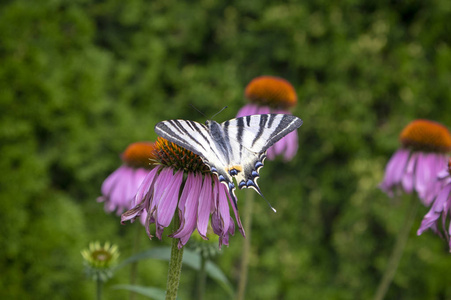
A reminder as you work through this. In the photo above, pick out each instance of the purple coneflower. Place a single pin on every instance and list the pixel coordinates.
(268, 94)
(415, 165)
(180, 180)
(441, 206)
(119, 189)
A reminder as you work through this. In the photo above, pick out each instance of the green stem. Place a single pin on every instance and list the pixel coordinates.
(134, 265)
(99, 288)
(245, 253)
(175, 265)
(398, 250)
(202, 278)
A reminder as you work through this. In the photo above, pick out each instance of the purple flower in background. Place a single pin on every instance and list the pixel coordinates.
(268, 94)
(182, 182)
(119, 189)
(441, 207)
(416, 164)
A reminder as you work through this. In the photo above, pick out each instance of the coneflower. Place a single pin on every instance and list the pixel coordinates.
(180, 182)
(413, 168)
(119, 188)
(415, 165)
(269, 94)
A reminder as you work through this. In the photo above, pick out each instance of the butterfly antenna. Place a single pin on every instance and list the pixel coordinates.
(218, 112)
(198, 110)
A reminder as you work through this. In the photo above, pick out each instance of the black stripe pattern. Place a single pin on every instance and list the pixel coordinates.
(235, 148)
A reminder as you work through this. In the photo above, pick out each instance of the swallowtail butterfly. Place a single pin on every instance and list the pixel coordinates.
(235, 148)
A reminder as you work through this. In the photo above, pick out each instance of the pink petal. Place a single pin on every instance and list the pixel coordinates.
(422, 174)
(221, 189)
(223, 208)
(292, 145)
(110, 182)
(188, 222)
(407, 179)
(168, 203)
(437, 208)
(271, 153)
(261, 110)
(203, 212)
(146, 186)
(394, 170)
(247, 110)
(190, 181)
(160, 186)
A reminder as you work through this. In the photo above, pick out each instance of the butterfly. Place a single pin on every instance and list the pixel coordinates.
(234, 148)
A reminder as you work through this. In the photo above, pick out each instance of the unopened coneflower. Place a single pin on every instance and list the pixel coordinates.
(119, 189)
(269, 94)
(441, 207)
(415, 165)
(100, 260)
(180, 182)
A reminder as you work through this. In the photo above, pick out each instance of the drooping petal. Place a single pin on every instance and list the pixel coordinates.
(124, 197)
(188, 222)
(203, 212)
(160, 186)
(223, 208)
(408, 177)
(222, 190)
(110, 182)
(167, 204)
(147, 185)
(446, 211)
(143, 217)
(131, 214)
(271, 153)
(437, 208)
(292, 145)
(422, 174)
(394, 171)
(190, 181)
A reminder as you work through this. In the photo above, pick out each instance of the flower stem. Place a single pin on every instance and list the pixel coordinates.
(99, 288)
(245, 253)
(134, 265)
(201, 278)
(398, 250)
(175, 265)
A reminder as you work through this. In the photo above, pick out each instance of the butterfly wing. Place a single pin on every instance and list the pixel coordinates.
(239, 149)
(250, 137)
(192, 136)
(197, 138)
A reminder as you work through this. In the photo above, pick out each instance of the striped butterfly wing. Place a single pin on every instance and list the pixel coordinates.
(250, 137)
(194, 137)
(234, 148)
(198, 139)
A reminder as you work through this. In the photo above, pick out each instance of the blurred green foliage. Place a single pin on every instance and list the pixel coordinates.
(80, 80)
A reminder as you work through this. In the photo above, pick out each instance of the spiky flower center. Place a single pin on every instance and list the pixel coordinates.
(272, 91)
(138, 155)
(425, 135)
(178, 158)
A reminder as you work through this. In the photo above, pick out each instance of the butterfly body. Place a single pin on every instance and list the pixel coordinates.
(235, 148)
